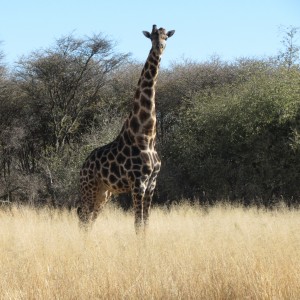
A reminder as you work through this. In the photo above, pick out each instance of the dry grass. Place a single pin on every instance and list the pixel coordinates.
(188, 253)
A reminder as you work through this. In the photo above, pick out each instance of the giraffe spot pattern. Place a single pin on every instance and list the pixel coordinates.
(144, 116)
(120, 158)
(112, 178)
(136, 108)
(148, 92)
(147, 75)
(147, 84)
(153, 70)
(121, 144)
(104, 172)
(137, 94)
(135, 151)
(145, 102)
(127, 139)
(126, 151)
(130, 162)
(134, 124)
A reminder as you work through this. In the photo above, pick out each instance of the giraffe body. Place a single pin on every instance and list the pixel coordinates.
(130, 163)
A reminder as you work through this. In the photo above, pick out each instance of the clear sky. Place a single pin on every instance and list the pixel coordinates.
(229, 28)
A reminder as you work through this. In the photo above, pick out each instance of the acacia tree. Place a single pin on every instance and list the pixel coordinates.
(64, 81)
(53, 97)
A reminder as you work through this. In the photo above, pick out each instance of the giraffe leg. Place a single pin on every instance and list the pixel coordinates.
(138, 197)
(84, 212)
(138, 211)
(147, 201)
(147, 205)
(103, 196)
(91, 204)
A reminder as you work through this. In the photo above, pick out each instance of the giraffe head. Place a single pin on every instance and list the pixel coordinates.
(158, 38)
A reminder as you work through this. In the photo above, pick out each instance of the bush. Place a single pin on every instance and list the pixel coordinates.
(241, 140)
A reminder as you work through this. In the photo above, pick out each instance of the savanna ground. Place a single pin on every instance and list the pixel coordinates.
(189, 252)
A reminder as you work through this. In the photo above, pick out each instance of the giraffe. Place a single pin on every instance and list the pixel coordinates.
(130, 163)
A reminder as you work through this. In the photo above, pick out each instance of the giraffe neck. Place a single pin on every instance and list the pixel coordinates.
(144, 100)
(141, 123)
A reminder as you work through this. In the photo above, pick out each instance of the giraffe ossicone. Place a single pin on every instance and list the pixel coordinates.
(130, 163)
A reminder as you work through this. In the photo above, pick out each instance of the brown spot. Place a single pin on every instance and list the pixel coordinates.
(114, 168)
(136, 107)
(110, 156)
(146, 102)
(112, 178)
(145, 157)
(131, 135)
(104, 172)
(136, 161)
(137, 94)
(126, 151)
(134, 124)
(144, 116)
(135, 151)
(136, 167)
(125, 182)
(149, 126)
(153, 70)
(137, 174)
(131, 175)
(146, 169)
(148, 75)
(99, 153)
(120, 143)
(128, 164)
(148, 92)
(147, 84)
(114, 151)
(119, 184)
(153, 59)
(141, 142)
(120, 158)
(126, 138)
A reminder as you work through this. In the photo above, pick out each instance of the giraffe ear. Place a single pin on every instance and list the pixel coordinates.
(170, 33)
(147, 34)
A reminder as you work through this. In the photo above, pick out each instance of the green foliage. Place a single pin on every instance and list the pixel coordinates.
(224, 130)
(241, 141)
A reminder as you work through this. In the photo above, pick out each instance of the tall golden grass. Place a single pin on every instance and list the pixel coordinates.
(189, 252)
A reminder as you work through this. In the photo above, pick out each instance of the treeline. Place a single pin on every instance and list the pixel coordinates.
(226, 130)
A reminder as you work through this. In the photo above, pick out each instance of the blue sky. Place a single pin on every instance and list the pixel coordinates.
(229, 28)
